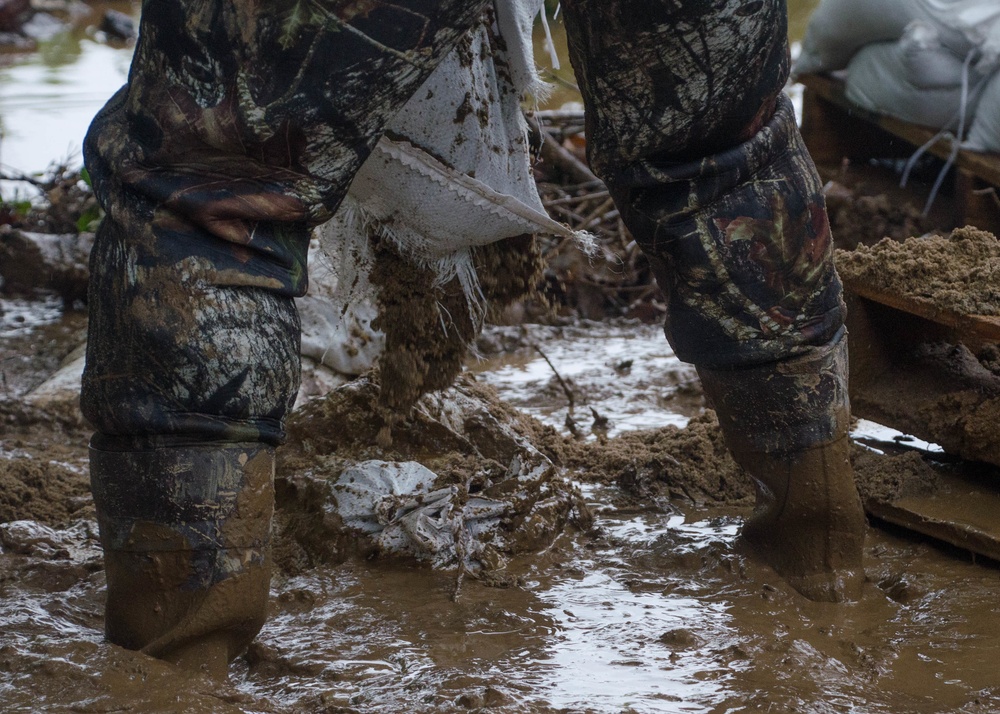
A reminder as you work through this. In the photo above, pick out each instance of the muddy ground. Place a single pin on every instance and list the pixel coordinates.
(629, 592)
(650, 606)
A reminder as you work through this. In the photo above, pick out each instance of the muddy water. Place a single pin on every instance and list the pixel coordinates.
(655, 609)
(624, 373)
(48, 96)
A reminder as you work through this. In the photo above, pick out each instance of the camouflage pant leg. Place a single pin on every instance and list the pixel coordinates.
(240, 128)
(687, 125)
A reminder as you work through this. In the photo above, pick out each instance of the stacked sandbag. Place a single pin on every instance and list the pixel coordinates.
(930, 62)
(984, 135)
(916, 78)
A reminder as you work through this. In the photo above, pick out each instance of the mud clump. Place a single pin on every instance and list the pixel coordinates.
(42, 465)
(428, 327)
(460, 482)
(960, 272)
(690, 464)
(39, 491)
(426, 331)
(860, 219)
(883, 479)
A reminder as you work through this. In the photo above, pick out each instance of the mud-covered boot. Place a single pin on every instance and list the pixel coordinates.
(786, 423)
(186, 537)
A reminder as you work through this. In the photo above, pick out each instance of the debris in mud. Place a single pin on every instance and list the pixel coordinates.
(461, 484)
(883, 478)
(34, 262)
(989, 357)
(617, 281)
(861, 218)
(67, 203)
(960, 272)
(690, 465)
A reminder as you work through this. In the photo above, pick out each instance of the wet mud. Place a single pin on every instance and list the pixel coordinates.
(651, 606)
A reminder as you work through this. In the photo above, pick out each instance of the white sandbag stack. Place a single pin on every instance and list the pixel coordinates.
(916, 78)
(984, 134)
(931, 62)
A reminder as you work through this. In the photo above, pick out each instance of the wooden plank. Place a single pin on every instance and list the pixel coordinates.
(960, 511)
(984, 165)
(904, 376)
(984, 327)
(976, 202)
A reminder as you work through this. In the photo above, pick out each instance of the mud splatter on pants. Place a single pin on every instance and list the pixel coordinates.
(243, 123)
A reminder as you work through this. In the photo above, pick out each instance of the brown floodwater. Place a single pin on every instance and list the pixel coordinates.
(654, 609)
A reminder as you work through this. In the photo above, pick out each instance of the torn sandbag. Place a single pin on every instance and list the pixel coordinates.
(336, 335)
(453, 170)
(462, 485)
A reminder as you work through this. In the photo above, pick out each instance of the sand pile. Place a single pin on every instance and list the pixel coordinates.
(960, 272)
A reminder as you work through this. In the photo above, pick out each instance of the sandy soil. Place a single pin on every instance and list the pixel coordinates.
(960, 271)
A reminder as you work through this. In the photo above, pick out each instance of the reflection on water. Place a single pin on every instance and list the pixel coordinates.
(634, 380)
(651, 612)
(48, 97)
(655, 609)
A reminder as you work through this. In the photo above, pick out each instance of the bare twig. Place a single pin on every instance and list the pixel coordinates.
(554, 152)
(576, 199)
(562, 383)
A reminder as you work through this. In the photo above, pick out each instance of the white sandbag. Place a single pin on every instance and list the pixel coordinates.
(978, 21)
(404, 508)
(334, 334)
(915, 79)
(455, 172)
(839, 28)
(984, 134)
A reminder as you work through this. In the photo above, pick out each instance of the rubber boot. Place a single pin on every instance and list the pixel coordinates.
(786, 423)
(186, 538)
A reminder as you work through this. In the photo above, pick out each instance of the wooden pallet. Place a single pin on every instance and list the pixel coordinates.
(835, 129)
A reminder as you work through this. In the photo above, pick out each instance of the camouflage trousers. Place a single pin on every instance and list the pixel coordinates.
(243, 122)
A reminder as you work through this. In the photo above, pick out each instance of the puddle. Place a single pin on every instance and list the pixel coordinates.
(35, 336)
(656, 612)
(655, 609)
(48, 97)
(623, 371)
(20, 317)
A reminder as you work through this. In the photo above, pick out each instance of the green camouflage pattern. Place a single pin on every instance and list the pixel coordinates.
(240, 128)
(242, 125)
(703, 158)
